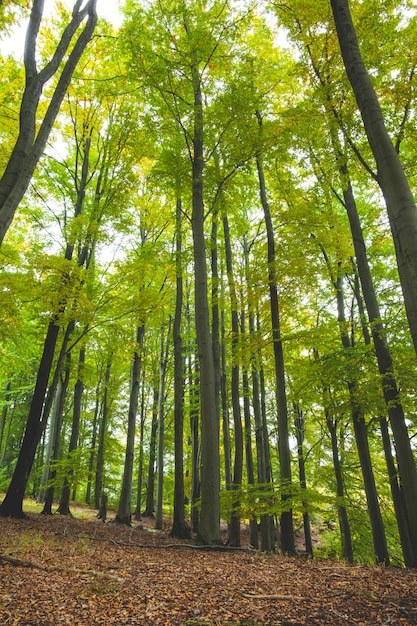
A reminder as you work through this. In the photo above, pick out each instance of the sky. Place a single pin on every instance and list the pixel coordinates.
(109, 9)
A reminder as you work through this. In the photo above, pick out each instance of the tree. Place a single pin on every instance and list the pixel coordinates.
(31, 141)
(125, 502)
(391, 177)
(286, 520)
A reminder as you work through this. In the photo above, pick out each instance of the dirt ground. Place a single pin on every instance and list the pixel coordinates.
(60, 570)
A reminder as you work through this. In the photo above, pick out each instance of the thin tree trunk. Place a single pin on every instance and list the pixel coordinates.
(93, 446)
(299, 433)
(64, 508)
(4, 413)
(225, 408)
(124, 515)
(250, 472)
(150, 489)
(347, 547)
(234, 527)
(194, 383)
(397, 496)
(286, 519)
(138, 509)
(60, 398)
(179, 527)
(262, 445)
(361, 438)
(161, 419)
(99, 481)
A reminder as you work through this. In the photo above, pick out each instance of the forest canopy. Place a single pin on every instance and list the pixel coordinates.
(208, 279)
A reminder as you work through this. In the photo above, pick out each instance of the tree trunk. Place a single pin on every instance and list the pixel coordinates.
(361, 438)
(347, 548)
(161, 419)
(99, 482)
(262, 444)
(64, 508)
(4, 413)
(250, 472)
(286, 519)
(30, 144)
(138, 510)
(60, 398)
(299, 433)
(405, 456)
(194, 384)
(123, 515)
(225, 407)
(150, 488)
(179, 528)
(209, 523)
(234, 529)
(12, 503)
(398, 196)
(93, 446)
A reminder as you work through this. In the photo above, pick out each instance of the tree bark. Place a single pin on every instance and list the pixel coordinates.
(31, 144)
(138, 510)
(209, 523)
(150, 485)
(361, 439)
(347, 547)
(64, 508)
(299, 433)
(234, 528)
(56, 427)
(401, 207)
(405, 456)
(161, 421)
(99, 481)
(124, 515)
(286, 519)
(179, 527)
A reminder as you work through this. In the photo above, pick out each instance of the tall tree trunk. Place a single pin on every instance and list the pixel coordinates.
(209, 523)
(234, 527)
(194, 384)
(286, 519)
(405, 456)
(138, 509)
(398, 196)
(56, 428)
(361, 438)
(64, 508)
(179, 527)
(150, 485)
(299, 433)
(225, 407)
(93, 446)
(6, 433)
(261, 435)
(31, 142)
(250, 472)
(13, 500)
(393, 474)
(4, 413)
(123, 515)
(347, 547)
(161, 419)
(99, 481)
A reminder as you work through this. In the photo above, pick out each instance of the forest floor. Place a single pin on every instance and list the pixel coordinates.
(78, 570)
